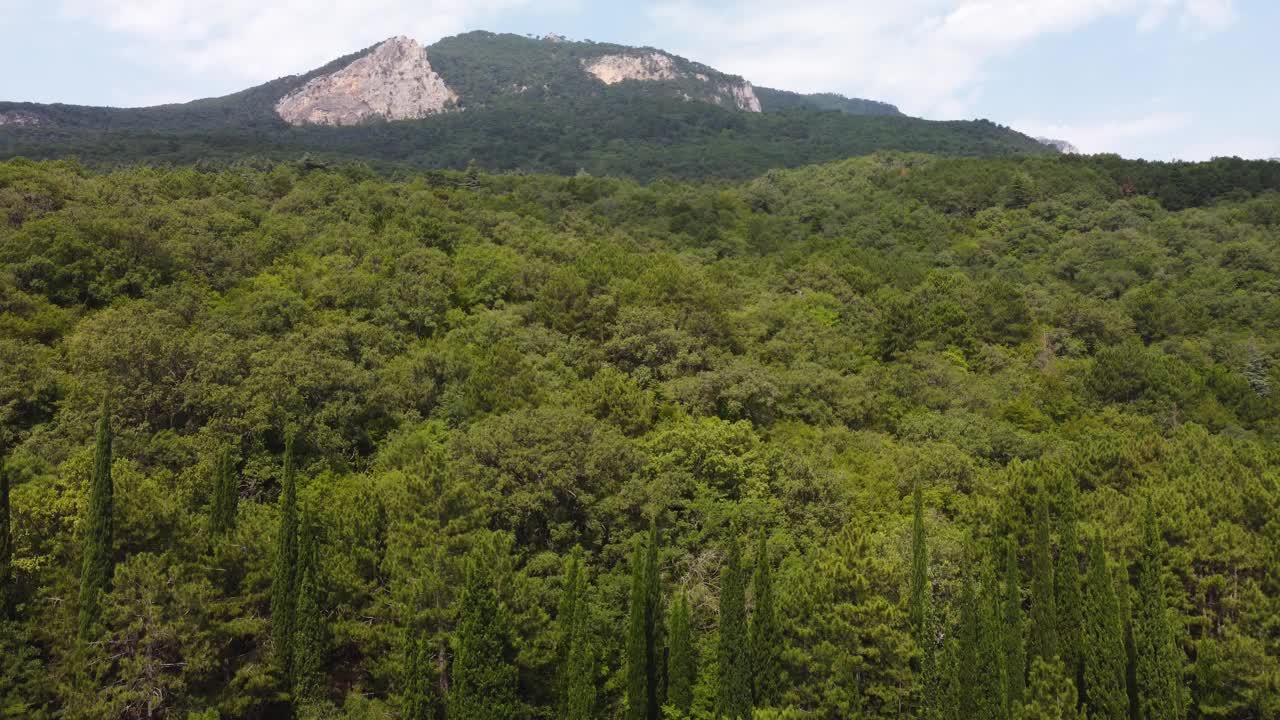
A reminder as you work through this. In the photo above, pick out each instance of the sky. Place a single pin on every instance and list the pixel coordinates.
(1159, 79)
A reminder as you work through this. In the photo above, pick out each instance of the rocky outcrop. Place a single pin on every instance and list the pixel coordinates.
(611, 69)
(1062, 146)
(393, 82)
(654, 66)
(20, 118)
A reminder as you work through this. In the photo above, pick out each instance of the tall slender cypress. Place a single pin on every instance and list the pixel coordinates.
(419, 700)
(946, 703)
(917, 607)
(567, 624)
(1067, 595)
(1015, 652)
(581, 701)
(1157, 661)
(764, 638)
(6, 546)
(970, 636)
(1123, 599)
(226, 494)
(734, 686)
(99, 562)
(681, 666)
(484, 677)
(992, 689)
(1104, 663)
(637, 687)
(1044, 616)
(310, 641)
(284, 578)
(653, 621)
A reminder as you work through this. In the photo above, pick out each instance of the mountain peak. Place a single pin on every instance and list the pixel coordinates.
(392, 81)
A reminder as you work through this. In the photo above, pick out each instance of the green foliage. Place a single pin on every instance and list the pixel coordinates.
(484, 678)
(1104, 689)
(310, 645)
(1044, 614)
(1158, 658)
(1051, 695)
(644, 644)
(681, 662)
(1068, 602)
(99, 549)
(764, 636)
(285, 572)
(733, 699)
(226, 494)
(7, 594)
(1015, 652)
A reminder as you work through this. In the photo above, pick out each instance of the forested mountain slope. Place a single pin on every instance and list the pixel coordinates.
(480, 373)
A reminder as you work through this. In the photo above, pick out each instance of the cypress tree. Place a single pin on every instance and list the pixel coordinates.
(1050, 695)
(1067, 597)
(1015, 652)
(99, 563)
(6, 546)
(1044, 617)
(638, 640)
(681, 668)
(917, 607)
(653, 621)
(1104, 663)
(1157, 661)
(1126, 619)
(226, 494)
(419, 700)
(970, 636)
(581, 701)
(566, 620)
(734, 696)
(947, 703)
(284, 578)
(484, 678)
(992, 682)
(765, 635)
(310, 641)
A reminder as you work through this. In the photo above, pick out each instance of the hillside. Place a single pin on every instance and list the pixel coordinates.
(381, 448)
(506, 102)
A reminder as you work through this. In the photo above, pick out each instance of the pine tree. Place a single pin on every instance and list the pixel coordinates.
(419, 700)
(992, 682)
(567, 624)
(1067, 598)
(484, 677)
(1044, 616)
(765, 635)
(734, 686)
(226, 494)
(310, 635)
(581, 701)
(1157, 661)
(6, 546)
(681, 667)
(99, 562)
(284, 578)
(1050, 695)
(1103, 683)
(1015, 652)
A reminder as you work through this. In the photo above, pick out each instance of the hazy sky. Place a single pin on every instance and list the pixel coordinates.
(1159, 79)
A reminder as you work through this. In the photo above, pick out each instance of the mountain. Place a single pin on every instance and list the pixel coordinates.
(504, 102)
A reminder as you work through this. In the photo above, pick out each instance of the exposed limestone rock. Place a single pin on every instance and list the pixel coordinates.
(20, 118)
(393, 82)
(651, 66)
(612, 69)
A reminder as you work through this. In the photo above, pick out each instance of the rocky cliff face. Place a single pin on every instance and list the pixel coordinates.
(20, 118)
(655, 66)
(393, 82)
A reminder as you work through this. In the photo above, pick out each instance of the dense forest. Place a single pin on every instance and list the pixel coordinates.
(900, 436)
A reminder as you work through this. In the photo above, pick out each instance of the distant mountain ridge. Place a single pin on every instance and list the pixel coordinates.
(507, 102)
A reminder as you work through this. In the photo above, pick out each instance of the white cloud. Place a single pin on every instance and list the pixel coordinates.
(1110, 135)
(259, 40)
(928, 56)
